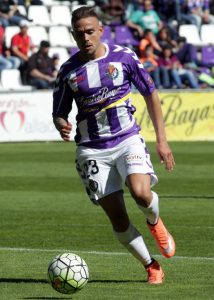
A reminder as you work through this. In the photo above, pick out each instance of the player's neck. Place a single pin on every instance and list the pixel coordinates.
(100, 51)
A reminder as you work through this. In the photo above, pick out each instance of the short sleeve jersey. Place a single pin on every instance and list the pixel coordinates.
(101, 89)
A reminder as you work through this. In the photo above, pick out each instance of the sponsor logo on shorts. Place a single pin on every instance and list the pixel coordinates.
(93, 185)
(136, 164)
(134, 157)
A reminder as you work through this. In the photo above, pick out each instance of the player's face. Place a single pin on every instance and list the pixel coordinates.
(87, 33)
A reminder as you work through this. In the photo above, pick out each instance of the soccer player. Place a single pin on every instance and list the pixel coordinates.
(110, 150)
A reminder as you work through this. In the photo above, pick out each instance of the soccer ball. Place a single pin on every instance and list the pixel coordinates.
(68, 273)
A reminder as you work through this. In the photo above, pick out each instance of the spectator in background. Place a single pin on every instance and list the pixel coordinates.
(164, 38)
(149, 61)
(131, 6)
(169, 10)
(185, 52)
(27, 3)
(56, 63)
(172, 70)
(149, 39)
(41, 69)
(22, 46)
(199, 12)
(9, 13)
(111, 12)
(145, 19)
(6, 60)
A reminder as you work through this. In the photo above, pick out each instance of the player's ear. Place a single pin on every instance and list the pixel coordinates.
(101, 28)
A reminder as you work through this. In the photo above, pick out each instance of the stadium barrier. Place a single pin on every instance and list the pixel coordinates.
(27, 116)
(188, 116)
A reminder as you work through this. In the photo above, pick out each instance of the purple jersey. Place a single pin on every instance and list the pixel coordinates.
(101, 89)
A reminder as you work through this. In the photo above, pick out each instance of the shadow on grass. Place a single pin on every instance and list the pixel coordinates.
(23, 280)
(45, 298)
(44, 281)
(30, 280)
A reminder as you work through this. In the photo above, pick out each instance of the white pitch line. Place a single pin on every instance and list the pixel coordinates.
(96, 253)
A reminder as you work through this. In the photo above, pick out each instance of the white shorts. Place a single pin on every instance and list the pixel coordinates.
(104, 171)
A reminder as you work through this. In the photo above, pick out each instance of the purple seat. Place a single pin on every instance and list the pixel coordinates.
(107, 35)
(124, 36)
(207, 54)
(193, 54)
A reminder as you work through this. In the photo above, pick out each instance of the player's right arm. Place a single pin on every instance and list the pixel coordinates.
(144, 83)
(62, 105)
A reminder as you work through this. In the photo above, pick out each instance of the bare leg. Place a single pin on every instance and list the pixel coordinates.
(139, 186)
(114, 207)
(124, 230)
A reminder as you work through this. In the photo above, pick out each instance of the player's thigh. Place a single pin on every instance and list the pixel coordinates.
(99, 176)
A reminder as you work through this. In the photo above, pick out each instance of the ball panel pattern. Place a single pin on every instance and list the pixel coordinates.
(68, 273)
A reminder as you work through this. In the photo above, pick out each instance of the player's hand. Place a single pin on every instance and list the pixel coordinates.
(65, 131)
(166, 156)
(64, 127)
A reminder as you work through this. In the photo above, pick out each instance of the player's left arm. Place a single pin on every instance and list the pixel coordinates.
(156, 115)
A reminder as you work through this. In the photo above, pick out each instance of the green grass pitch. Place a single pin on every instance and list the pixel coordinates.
(44, 211)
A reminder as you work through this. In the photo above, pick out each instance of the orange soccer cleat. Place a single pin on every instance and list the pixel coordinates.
(155, 273)
(163, 238)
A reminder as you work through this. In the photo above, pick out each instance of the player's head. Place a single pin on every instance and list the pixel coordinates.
(87, 31)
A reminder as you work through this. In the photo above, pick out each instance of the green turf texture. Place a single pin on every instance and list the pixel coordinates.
(44, 211)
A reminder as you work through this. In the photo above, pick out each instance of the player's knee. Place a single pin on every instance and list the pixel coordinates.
(142, 196)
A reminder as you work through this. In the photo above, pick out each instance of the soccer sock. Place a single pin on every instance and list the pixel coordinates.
(133, 241)
(152, 211)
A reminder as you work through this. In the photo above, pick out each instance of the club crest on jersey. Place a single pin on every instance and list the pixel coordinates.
(150, 80)
(112, 72)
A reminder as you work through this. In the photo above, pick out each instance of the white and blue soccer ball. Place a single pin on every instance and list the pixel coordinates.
(68, 273)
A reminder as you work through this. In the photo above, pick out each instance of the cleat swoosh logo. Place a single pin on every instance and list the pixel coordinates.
(170, 246)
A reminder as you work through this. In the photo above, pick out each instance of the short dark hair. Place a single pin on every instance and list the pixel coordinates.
(147, 31)
(167, 47)
(83, 12)
(44, 44)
